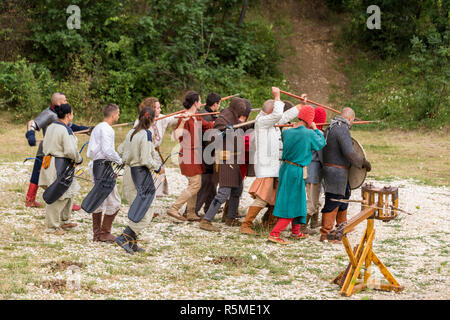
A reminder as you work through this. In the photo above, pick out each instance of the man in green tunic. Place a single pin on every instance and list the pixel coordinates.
(290, 204)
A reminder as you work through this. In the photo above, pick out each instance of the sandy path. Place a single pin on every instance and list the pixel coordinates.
(179, 258)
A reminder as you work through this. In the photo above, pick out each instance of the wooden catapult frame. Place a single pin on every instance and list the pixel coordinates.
(352, 279)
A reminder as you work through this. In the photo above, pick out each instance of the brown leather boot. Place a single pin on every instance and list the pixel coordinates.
(315, 223)
(342, 217)
(304, 227)
(207, 225)
(269, 220)
(173, 212)
(328, 220)
(234, 222)
(191, 216)
(105, 234)
(246, 226)
(96, 225)
(225, 212)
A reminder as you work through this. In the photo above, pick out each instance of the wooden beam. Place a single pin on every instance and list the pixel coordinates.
(354, 221)
(348, 291)
(360, 286)
(389, 277)
(348, 248)
(349, 274)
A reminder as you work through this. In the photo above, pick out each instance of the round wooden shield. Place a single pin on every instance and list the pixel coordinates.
(356, 176)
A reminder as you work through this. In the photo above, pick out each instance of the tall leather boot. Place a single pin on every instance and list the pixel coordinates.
(225, 211)
(105, 234)
(269, 220)
(246, 226)
(315, 223)
(173, 212)
(191, 216)
(96, 225)
(304, 227)
(341, 217)
(328, 220)
(30, 200)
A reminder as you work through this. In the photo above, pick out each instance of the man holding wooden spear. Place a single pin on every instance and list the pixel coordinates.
(338, 155)
(42, 121)
(267, 155)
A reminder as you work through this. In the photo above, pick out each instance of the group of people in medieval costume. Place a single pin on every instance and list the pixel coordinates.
(291, 166)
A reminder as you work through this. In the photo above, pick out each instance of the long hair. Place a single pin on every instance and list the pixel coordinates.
(146, 117)
(148, 102)
(190, 98)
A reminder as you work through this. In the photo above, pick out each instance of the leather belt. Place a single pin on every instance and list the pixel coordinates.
(335, 165)
(293, 163)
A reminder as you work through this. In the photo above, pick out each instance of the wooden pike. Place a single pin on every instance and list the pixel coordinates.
(132, 123)
(243, 124)
(114, 125)
(165, 116)
(224, 98)
(322, 124)
(310, 101)
(213, 113)
(202, 114)
(169, 115)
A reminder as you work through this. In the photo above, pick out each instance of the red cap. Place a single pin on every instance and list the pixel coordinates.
(307, 114)
(320, 116)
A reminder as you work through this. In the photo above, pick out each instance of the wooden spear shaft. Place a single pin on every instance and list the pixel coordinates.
(114, 125)
(169, 115)
(202, 114)
(132, 123)
(310, 101)
(212, 113)
(165, 116)
(224, 98)
(322, 124)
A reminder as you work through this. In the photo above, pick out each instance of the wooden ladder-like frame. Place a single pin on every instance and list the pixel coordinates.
(350, 279)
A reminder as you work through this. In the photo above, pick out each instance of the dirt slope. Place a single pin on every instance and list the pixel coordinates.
(310, 64)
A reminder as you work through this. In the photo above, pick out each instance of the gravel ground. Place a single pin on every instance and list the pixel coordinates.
(184, 262)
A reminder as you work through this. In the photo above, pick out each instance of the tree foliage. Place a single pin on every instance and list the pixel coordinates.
(404, 66)
(126, 50)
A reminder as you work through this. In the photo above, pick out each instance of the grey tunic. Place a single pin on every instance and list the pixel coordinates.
(59, 142)
(138, 152)
(42, 121)
(315, 168)
(339, 151)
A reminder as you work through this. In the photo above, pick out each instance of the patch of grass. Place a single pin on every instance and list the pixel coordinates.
(56, 245)
(407, 155)
(283, 282)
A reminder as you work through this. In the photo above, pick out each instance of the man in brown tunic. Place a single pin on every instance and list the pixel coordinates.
(227, 168)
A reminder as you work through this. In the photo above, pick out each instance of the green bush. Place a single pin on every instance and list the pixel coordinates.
(400, 74)
(24, 88)
(127, 50)
(400, 22)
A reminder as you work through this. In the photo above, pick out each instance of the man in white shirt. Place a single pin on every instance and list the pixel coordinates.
(101, 147)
